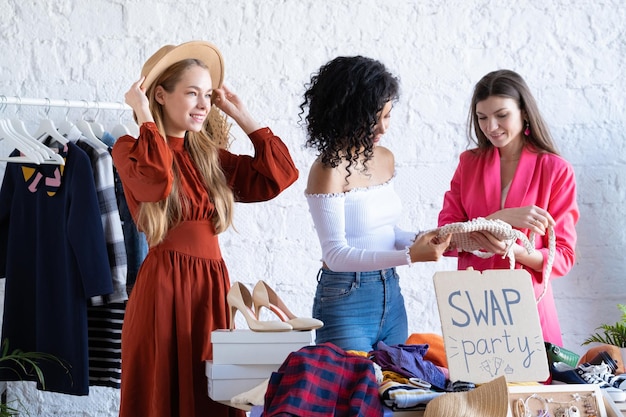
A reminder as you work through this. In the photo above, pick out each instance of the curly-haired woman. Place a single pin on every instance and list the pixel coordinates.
(355, 208)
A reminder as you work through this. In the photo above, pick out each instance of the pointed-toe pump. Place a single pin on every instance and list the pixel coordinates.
(264, 296)
(239, 298)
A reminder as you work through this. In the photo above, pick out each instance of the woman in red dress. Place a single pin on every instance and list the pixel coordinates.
(181, 187)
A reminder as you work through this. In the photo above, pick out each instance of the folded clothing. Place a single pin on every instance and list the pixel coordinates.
(408, 360)
(398, 396)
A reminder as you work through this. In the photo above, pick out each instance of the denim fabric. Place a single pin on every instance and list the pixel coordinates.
(359, 309)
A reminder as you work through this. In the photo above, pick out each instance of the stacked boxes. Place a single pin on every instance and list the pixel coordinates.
(243, 359)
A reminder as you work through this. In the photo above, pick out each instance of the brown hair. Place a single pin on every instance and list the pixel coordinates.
(156, 218)
(509, 84)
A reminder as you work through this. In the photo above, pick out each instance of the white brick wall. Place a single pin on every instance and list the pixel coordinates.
(571, 53)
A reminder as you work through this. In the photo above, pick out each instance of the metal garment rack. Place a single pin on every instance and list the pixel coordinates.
(46, 102)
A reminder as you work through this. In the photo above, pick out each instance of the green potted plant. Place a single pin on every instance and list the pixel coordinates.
(611, 334)
(27, 363)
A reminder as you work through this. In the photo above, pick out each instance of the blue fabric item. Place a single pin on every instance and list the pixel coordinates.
(408, 361)
(360, 309)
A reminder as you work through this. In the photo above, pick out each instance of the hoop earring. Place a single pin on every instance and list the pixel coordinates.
(527, 128)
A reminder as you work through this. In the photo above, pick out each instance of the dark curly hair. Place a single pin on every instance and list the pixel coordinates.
(344, 99)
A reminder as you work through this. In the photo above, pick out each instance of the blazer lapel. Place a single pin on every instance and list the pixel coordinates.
(522, 179)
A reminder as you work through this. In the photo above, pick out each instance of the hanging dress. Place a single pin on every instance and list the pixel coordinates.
(54, 257)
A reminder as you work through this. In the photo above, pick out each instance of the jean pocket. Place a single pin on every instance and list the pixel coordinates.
(335, 289)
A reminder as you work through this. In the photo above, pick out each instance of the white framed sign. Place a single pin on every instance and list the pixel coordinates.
(491, 326)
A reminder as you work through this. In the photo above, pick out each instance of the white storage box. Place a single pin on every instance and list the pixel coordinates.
(245, 347)
(226, 381)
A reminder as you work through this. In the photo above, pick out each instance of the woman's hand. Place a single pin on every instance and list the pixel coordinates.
(532, 218)
(136, 98)
(428, 247)
(489, 243)
(228, 102)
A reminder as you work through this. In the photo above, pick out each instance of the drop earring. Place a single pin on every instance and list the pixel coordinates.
(527, 129)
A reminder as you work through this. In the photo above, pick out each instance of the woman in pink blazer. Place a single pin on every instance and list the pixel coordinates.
(515, 174)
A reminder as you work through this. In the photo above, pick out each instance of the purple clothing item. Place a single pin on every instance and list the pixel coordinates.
(408, 361)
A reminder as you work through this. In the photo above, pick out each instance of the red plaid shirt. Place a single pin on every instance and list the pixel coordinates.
(323, 381)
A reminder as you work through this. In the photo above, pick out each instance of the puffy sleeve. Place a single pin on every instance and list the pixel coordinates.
(144, 166)
(328, 213)
(263, 176)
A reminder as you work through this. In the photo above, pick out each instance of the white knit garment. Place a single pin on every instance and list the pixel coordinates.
(357, 229)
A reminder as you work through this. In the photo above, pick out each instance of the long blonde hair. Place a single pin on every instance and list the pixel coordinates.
(156, 218)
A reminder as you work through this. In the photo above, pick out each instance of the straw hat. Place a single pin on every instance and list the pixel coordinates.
(171, 54)
(488, 400)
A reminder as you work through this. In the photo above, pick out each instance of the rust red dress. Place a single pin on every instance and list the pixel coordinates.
(180, 293)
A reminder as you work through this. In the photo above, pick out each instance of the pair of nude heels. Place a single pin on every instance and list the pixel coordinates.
(240, 299)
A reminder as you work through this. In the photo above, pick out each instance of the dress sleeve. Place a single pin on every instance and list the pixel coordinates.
(144, 165)
(328, 213)
(264, 176)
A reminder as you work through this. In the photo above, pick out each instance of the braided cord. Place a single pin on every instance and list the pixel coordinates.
(503, 231)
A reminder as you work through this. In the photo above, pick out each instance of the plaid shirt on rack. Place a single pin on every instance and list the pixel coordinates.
(323, 381)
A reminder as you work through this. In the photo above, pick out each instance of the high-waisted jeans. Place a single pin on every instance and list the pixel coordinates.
(359, 309)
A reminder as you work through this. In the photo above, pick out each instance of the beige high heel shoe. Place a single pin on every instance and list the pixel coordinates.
(264, 296)
(239, 298)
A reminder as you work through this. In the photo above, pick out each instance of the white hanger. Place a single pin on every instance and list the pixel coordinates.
(120, 129)
(32, 150)
(96, 127)
(48, 154)
(90, 137)
(47, 128)
(66, 126)
(134, 129)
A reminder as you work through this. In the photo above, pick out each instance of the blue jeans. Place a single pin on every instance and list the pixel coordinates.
(359, 309)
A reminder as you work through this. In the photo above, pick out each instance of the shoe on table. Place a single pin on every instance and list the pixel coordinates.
(607, 374)
(603, 357)
(587, 374)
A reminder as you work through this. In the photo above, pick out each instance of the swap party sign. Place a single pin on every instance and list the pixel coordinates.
(491, 326)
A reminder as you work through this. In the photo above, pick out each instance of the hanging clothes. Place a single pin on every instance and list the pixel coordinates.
(105, 315)
(102, 171)
(54, 258)
(134, 240)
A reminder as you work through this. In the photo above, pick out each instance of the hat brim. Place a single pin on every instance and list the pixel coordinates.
(488, 400)
(200, 50)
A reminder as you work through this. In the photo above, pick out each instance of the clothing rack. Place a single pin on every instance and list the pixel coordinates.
(46, 102)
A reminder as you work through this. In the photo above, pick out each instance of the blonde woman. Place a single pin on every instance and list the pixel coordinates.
(181, 188)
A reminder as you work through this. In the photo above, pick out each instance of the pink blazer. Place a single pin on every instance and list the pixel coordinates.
(542, 179)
